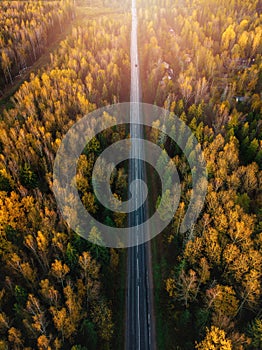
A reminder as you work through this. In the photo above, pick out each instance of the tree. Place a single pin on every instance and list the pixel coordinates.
(222, 299)
(90, 273)
(102, 317)
(50, 294)
(15, 338)
(255, 331)
(43, 343)
(228, 38)
(215, 340)
(62, 322)
(6, 66)
(184, 288)
(185, 86)
(28, 177)
(89, 332)
(59, 270)
(4, 322)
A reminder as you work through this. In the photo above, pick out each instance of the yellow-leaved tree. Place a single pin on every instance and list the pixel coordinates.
(215, 340)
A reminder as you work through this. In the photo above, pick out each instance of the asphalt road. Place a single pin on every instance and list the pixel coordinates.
(139, 323)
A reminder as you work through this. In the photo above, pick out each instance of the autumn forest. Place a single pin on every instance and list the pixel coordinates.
(201, 60)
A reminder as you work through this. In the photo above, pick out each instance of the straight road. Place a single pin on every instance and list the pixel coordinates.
(139, 321)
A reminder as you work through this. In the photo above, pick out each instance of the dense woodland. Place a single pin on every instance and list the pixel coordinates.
(202, 61)
(26, 29)
(56, 290)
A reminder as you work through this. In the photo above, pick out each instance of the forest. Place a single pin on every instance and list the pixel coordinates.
(201, 61)
(27, 28)
(55, 292)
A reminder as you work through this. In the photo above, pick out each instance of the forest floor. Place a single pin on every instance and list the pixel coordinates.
(83, 13)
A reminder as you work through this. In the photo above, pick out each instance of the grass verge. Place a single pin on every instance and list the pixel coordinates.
(119, 304)
(162, 333)
(159, 268)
